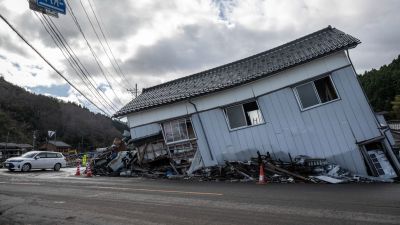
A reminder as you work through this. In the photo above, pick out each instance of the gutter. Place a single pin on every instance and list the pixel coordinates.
(202, 127)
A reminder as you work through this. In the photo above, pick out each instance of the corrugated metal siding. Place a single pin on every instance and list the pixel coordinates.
(144, 131)
(329, 131)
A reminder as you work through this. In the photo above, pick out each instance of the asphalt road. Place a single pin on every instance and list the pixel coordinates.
(47, 197)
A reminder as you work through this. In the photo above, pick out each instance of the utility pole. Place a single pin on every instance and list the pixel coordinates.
(5, 147)
(134, 91)
(34, 138)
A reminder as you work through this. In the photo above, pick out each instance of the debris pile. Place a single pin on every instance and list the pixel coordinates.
(302, 169)
(153, 160)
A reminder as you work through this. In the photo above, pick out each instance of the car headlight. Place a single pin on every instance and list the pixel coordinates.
(16, 160)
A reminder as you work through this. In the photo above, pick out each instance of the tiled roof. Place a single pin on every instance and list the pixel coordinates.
(299, 51)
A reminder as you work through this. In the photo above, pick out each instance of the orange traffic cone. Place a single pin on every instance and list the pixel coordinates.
(78, 168)
(261, 179)
(88, 170)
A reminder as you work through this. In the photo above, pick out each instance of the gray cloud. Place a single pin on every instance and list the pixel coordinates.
(200, 47)
(7, 43)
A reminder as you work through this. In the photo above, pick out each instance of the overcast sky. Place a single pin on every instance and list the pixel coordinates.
(157, 41)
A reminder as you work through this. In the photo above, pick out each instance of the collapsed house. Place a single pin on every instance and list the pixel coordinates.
(300, 98)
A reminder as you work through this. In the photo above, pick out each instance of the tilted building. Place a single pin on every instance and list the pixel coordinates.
(300, 98)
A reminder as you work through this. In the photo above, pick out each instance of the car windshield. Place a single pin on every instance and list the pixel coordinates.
(29, 155)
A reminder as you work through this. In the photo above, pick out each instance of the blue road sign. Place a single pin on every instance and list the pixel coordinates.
(56, 5)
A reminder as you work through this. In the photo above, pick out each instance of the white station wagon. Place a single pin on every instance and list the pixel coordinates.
(36, 160)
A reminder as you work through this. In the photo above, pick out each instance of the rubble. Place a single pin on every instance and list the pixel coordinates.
(152, 159)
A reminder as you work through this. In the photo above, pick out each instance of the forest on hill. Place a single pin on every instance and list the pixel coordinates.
(382, 87)
(22, 113)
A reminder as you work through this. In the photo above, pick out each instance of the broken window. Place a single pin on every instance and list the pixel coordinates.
(178, 130)
(243, 115)
(376, 160)
(181, 142)
(316, 92)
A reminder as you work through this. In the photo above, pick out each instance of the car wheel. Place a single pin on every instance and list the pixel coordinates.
(26, 167)
(57, 167)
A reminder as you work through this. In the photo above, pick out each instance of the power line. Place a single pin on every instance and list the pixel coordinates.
(105, 38)
(41, 56)
(79, 64)
(101, 43)
(98, 62)
(56, 42)
(71, 60)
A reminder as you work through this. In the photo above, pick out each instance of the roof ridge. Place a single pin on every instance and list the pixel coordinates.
(280, 47)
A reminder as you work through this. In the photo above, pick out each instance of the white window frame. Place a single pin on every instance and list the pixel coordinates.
(316, 93)
(244, 113)
(180, 141)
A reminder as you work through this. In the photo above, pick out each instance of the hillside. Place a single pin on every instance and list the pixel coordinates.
(21, 113)
(382, 85)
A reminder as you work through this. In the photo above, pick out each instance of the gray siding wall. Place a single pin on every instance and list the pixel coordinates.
(328, 131)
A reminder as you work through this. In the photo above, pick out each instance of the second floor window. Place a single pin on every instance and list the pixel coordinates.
(316, 92)
(243, 115)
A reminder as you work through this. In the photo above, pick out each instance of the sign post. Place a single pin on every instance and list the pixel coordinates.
(56, 5)
(33, 5)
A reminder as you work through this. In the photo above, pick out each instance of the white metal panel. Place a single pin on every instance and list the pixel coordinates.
(146, 130)
(158, 114)
(358, 113)
(327, 131)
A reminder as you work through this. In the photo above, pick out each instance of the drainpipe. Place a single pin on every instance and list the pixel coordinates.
(202, 127)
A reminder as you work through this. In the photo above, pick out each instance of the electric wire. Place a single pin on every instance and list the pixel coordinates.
(84, 72)
(55, 42)
(51, 65)
(58, 40)
(64, 47)
(104, 49)
(98, 62)
(99, 23)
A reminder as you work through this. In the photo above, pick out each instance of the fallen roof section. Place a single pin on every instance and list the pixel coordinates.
(299, 51)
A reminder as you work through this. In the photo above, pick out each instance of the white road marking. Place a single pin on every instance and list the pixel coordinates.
(162, 191)
(19, 183)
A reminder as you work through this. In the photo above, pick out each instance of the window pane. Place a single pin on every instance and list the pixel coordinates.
(42, 155)
(190, 129)
(253, 113)
(236, 116)
(307, 95)
(183, 130)
(176, 132)
(168, 132)
(51, 155)
(325, 89)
